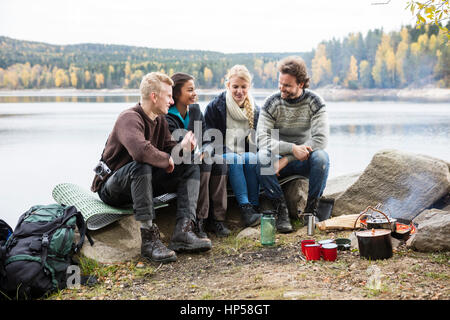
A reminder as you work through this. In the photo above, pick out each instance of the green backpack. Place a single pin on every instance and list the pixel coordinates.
(35, 258)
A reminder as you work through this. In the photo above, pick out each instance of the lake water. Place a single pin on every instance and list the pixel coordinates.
(46, 140)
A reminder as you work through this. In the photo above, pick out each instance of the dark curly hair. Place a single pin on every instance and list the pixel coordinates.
(296, 67)
(179, 79)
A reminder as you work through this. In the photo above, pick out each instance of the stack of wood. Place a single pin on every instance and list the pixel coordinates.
(344, 222)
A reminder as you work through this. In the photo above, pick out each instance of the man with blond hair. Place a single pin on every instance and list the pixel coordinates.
(300, 121)
(136, 165)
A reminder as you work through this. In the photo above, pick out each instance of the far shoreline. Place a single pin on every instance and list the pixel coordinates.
(431, 94)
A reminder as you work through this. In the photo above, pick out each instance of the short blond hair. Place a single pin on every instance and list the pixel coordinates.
(239, 71)
(151, 82)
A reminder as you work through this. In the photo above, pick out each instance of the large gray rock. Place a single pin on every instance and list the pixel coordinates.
(121, 241)
(118, 242)
(338, 185)
(296, 191)
(296, 195)
(433, 231)
(404, 183)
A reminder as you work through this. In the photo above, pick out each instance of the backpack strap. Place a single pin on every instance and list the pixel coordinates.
(2, 260)
(44, 248)
(82, 228)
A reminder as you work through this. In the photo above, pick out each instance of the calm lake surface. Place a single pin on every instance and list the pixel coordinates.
(46, 140)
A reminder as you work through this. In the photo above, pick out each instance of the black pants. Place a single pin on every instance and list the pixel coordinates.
(137, 183)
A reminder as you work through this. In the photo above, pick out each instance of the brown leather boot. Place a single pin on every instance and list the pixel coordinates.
(184, 238)
(153, 249)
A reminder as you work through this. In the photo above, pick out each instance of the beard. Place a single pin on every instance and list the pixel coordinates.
(288, 95)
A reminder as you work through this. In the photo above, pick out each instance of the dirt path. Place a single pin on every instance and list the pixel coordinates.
(243, 269)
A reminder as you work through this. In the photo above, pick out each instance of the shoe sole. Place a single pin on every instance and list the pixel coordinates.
(254, 224)
(285, 230)
(182, 247)
(165, 260)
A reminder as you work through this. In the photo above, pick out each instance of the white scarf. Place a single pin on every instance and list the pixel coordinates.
(233, 108)
(237, 124)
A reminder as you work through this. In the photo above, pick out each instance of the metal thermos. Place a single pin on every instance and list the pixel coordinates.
(311, 224)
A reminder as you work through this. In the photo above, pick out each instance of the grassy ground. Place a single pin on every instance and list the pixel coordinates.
(244, 269)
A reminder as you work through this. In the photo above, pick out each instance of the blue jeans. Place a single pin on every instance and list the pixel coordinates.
(315, 167)
(243, 174)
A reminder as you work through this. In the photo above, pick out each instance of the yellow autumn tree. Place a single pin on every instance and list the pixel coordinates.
(383, 71)
(258, 66)
(25, 76)
(87, 76)
(321, 66)
(99, 80)
(400, 57)
(351, 81)
(365, 76)
(60, 77)
(207, 75)
(270, 70)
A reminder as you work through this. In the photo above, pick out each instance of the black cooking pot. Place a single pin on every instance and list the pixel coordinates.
(374, 244)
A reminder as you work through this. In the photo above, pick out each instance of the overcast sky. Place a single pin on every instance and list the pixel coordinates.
(225, 26)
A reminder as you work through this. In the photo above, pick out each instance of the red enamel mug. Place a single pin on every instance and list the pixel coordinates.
(305, 242)
(312, 252)
(329, 251)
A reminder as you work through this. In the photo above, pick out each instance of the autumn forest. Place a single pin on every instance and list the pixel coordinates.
(409, 58)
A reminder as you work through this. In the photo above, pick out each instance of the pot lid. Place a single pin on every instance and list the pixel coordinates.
(373, 233)
(380, 220)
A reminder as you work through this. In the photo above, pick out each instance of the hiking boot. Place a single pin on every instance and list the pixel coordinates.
(200, 229)
(312, 205)
(250, 217)
(153, 249)
(185, 240)
(218, 227)
(282, 221)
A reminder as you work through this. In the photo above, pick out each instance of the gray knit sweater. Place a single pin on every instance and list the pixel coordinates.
(300, 121)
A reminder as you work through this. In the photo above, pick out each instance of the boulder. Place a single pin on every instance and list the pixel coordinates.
(121, 241)
(433, 231)
(250, 233)
(296, 191)
(404, 183)
(118, 242)
(338, 185)
(296, 195)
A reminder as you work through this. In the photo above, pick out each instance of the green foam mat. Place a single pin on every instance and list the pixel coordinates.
(96, 213)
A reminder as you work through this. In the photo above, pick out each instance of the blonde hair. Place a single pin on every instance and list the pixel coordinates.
(239, 71)
(151, 82)
(242, 72)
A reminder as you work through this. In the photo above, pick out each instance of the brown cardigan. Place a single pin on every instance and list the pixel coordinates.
(135, 137)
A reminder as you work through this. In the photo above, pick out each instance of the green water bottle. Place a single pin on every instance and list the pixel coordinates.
(268, 228)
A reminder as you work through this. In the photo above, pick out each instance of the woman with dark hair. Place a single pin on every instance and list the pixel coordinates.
(212, 200)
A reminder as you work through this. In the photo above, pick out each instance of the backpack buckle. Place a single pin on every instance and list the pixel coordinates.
(45, 241)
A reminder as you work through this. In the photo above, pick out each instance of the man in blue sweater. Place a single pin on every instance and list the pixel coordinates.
(297, 145)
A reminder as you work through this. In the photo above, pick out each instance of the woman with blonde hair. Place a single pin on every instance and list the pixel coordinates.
(235, 114)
